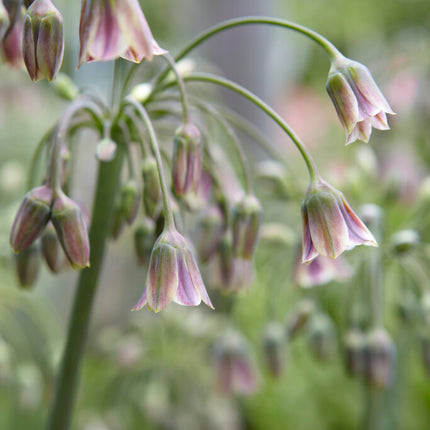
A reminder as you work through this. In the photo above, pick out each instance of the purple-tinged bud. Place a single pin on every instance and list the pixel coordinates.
(299, 317)
(106, 150)
(27, 264)
(151, 186)
(354, 347)
(380, 359)
(144, 238)
(358, 101)
(187, 160)
(210, 228)
(322, 337)
(330, 226)
(234, 370)
(11, 46)
(71, 230)
(246, 222)
(4, 20)
(173, 274)
(51, 249)
(43, 43)
(31, 218)
(274, 348)
(130, 199)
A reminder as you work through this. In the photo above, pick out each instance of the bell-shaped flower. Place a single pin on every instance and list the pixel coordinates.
(173, 275)
(330, 226)
(43, 43)
(110, 29)
(359, 102)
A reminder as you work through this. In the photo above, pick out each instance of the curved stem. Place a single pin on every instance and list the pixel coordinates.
(106, 190)
(247, 20)
(167, 209)
(181, 86)
(207, 77)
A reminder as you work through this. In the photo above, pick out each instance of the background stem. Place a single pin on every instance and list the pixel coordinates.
(106, 189)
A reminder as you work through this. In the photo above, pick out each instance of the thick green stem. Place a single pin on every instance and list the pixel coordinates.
(247, 20)
(106, 190)
(207, 77)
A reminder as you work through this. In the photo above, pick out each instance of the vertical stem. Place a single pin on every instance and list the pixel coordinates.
(106, 189)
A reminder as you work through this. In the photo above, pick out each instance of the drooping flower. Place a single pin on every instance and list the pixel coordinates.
(330, 226)
(173, 275)
(110, 29)
(43, 43)
(359, 102)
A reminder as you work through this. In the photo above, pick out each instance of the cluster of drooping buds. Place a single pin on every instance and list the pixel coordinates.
(39, 207)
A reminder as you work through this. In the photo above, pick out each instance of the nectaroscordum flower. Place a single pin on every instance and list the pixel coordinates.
(110, 29)
(173, 275)
(330, 226)
(359, 102)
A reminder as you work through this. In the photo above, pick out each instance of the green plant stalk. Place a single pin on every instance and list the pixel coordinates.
(106, 190)
(214, 79)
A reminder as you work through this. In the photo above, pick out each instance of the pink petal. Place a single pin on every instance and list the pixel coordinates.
(186, 294)
(142, 301)
(309, 251)
(379, 121)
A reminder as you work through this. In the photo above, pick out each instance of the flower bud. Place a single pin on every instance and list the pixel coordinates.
(151, 186)
(274, 348)
(71, 230)
(50, 247)
(11, 46)
(322, 337)
(105, 150)
(64, 86)
(130, 201)
(32, 217)
(354, 346)
(27, 265)
(4, 20)
(187, 160)
(380, 359)
(144, 238)
(118, 221)
(299, 317)
(211, 228)
(247, 218)
(405, 241)
(43, 40)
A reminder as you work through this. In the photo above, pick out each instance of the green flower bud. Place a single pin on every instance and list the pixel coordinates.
(71, 230)
(50, 247)
(130, 201)
(144, 238)
(32, 217)
(106, 150)
(322, 337)
(27, 264)
(65, 87)
(274, 348)
(354, 345)
(43, 44)
(151, 186)
(298, 319)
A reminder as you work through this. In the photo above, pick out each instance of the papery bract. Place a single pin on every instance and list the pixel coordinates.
(173, 275)
(110, 29)
(359, 102)
(330, 226)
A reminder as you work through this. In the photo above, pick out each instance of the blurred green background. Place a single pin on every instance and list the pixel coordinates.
(146, 371)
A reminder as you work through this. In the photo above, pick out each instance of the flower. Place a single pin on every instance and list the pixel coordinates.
(43, 44)
(330, 226)
(172, 275)
(110, 29)
(359, 102)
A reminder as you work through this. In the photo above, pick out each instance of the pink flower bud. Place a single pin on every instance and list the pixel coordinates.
(31, 218)
(274, 340)
(173, 274)
(247, 219)
(4, 20)
(330, 226)
(358, 101)
(106, 150)
(110, 29)
(151, 186)
(27, 264)
(71, 230)
(43, 40)
(187, 160)
(130, 199)
(380, 359)
(11, 46)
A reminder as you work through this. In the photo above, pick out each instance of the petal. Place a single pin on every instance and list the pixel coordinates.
(162, 281)
(309, 251)
(142, 301)
(186, 294)
(364, 129)
(379, 121)
(327, 227)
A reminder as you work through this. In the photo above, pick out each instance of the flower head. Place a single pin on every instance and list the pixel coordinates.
(110, 29)
(359, 102)
(330, 226)
(172, 275)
